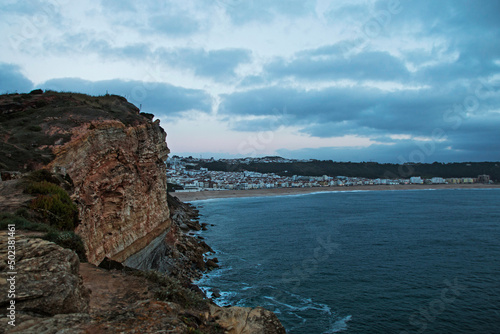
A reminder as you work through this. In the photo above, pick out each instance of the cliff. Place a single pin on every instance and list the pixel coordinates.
(113, 154)
(110, 158)
(119, 182)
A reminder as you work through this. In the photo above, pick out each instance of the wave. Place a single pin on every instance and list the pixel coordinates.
(339, 325)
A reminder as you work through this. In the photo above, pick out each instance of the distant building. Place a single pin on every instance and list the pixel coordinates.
(416, 180)
(437, 180)
(483, 179)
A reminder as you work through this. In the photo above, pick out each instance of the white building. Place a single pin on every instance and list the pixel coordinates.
(438, 180)
(416, 180)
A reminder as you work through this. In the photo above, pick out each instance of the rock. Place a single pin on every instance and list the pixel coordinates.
(211, 264)
(120, 182)
(245, 320)
(47, 280)
(60, 323)
(215, 293)
(110, 264)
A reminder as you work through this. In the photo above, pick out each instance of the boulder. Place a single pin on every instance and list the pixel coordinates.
(47, 280)
(246, 320)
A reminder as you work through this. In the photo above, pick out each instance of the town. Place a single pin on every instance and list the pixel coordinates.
(185, 178)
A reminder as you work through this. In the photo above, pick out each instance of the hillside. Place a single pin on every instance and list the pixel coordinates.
(370, 170)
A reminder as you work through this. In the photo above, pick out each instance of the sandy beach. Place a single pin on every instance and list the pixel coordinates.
(202, 195)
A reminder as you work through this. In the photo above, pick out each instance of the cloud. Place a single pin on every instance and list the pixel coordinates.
(332, 63)
(242, 11)
(176, 25)
(216, 64)
(219, 64)
(12, 80)
(160, 99)
(399, 152)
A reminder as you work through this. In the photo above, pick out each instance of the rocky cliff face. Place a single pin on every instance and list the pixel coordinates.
(120, 185)
(114, 157)
(113, 153)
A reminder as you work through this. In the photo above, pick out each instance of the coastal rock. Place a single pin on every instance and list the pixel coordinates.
(174, 252)
(60, 323)
(246, 320)
(47, 280)
(120, 182)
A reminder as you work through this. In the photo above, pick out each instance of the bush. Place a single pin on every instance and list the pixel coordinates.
(42, 175)
(65, 239)
(53, 204)
(68, 240)
(21, 223)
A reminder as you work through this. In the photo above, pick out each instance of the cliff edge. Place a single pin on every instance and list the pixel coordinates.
(109, 157)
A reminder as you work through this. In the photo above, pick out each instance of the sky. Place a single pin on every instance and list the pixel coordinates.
(356, 80)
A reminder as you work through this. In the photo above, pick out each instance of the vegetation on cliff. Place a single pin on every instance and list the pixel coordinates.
(50, 211)
(32, 124)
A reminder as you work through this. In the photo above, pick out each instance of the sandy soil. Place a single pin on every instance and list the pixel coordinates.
(202, 195)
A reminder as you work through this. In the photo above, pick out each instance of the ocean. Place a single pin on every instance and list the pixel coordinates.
(411, 261)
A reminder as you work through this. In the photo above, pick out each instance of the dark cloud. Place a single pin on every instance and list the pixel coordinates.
(359, 107)
(401, 151)
(217, 64)
(454, 120)
(160, 99)
(332, 63)
(12, 80)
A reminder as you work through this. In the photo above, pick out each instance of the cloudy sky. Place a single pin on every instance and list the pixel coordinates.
(353, 80)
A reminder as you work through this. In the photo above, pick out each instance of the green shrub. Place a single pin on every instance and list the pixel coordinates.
(56, 211)
(65, 239)
(42, 175)
(68, 240)
(21, 223)
(53, 204)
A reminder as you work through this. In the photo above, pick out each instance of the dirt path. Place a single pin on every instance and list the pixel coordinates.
(111, 289)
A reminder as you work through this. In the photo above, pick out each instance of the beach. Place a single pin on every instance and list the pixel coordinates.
(209, 194)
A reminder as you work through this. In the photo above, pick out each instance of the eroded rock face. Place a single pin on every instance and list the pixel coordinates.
(175, 252)
(120, 185)
(47, 280)
(246, 320)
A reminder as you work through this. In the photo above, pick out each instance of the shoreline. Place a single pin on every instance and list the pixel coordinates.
(212, 194)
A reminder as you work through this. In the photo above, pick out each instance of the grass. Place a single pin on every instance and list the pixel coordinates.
(28, 129)
(65, 239)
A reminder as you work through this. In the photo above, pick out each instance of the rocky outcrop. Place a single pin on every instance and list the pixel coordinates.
(246, 320)
(120, 184)
(176, 252)
(47, 280)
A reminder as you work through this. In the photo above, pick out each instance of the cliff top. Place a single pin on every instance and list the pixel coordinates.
(31, 125)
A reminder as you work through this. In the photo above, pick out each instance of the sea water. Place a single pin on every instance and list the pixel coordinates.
(411, 261)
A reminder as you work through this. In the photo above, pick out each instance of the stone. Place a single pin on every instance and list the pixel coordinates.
(47, 280)
(246, 320)
(120, 182)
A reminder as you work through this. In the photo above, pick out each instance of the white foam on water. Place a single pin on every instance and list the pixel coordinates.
(339, 325)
